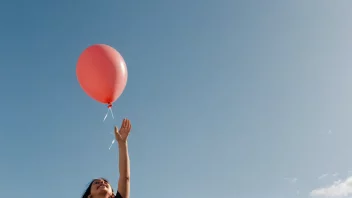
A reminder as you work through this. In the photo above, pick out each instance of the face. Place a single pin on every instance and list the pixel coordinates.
(100, 187)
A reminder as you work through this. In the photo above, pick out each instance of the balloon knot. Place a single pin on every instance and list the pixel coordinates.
(109, 106)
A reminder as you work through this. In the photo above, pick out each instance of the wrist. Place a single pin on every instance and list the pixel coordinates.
(122, 143)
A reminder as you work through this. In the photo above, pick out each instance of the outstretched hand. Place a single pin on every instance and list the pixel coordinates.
(122, 134)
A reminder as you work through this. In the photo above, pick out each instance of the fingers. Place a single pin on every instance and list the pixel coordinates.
(122, 134)
(129, 126)
(126, 123)
(123, 123)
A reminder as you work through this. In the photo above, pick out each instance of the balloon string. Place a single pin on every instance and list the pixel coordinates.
(113, 141)
(112, 114)
(109, 110)
(106, 115)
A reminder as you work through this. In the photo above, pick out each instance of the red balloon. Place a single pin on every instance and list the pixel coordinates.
(102, 73)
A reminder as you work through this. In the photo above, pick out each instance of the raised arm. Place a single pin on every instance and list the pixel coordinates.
(124, 160)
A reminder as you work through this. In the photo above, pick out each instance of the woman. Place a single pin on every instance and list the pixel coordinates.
(100, 188)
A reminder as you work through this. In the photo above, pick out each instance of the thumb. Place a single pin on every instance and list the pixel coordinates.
(117, 134)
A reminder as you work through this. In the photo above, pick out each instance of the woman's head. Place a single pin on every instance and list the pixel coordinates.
(99, 188)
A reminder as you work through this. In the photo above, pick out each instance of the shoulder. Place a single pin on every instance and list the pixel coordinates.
(118, 195)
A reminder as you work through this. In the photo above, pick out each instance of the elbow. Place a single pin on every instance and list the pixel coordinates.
(125, 178)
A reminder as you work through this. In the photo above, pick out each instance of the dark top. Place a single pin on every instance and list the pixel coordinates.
(118, 195)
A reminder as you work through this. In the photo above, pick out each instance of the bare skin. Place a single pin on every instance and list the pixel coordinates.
(101, 188)
(124, 160)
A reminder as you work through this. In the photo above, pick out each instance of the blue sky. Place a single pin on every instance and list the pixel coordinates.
(227, 98)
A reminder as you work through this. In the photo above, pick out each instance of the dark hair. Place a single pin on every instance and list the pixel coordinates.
(87, 192)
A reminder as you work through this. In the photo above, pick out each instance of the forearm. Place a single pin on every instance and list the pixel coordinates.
(124, 169)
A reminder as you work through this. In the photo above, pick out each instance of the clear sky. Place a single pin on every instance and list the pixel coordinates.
(227, 98)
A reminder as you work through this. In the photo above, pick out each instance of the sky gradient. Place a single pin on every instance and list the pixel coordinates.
(227, 98)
